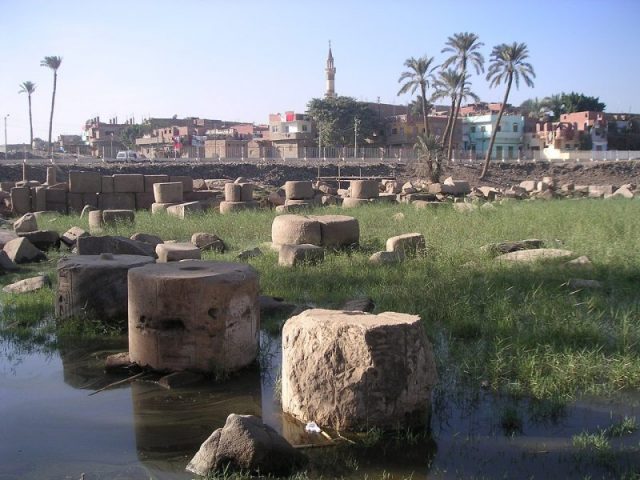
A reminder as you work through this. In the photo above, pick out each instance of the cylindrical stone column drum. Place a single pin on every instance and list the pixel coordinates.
(168, 192)
(95, 285)
(233, 192)
(194, 315)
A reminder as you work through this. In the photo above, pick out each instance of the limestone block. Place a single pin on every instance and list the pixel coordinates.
(147, 238)
(494, 249)
(20, 200)
(51, 178)
(387, 258)
(338, 231)
(455, 187)
(28, 285)
(42, 239)
(160, 207)
(113, 244)
(246, 194)
(85, 211)
(294, 206)
(230, 207)
(232, 192)
(465, 207)
(95, 285)
(117, 201)
(26, 223)
(56, 196)
(208, 241)
(6, 186)
(183, 210)
(151, 180)
(168, 192)
(187, 182)
(39, 199)
(623, 192)
(277, 198)
(21, 250)
(96, 222)
(292, 255)
(174, 252)
(6, 264)
(85, 182)
(356, 370)
(298, 190)
(599, 191)
(364, 189)
(70, 237)
(535, 255)
(199, 184)
(128, 183)
(194, 315)
(77, 201)
(204, 196)
(295, 230)
(409, 243)
(355, 202)
(107, 184)
(528, 185)
(144, 200)
(113, 217)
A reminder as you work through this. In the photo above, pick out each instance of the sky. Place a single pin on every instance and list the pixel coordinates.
(240, 60)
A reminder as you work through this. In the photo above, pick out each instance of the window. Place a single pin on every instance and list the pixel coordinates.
(499, 128)
(483, 128)
(499, 151)
(472, 129)
(304, 128)
(394, 131)
(515, 127)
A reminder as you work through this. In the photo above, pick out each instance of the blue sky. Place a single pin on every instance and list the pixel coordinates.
(241, 60)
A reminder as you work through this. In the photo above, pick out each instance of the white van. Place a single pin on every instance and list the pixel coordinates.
(127, 156)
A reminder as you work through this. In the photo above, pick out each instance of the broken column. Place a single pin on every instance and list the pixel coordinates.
(362, 192)
(355, 370)
(165, 195)
(95, 285)
(194, 315)
(298, 194)
(237, 197)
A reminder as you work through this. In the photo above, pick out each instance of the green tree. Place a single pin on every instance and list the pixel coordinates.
(129, 134)
(464, 49)
(508, 62)
(430, 154)
(28, 88)
(534, 108)
(554, 104)
(336, 117)
(53, 63)
(418, 76)
(578, 102)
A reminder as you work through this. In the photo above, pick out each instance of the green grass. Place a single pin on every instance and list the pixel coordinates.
(518, 327)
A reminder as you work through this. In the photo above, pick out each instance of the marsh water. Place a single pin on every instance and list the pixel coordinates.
(52, 428)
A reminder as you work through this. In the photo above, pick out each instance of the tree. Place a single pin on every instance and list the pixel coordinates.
(53, 63)
(534, 108)
(129, 134)
(578, 102)
(335, 117)
(554, 104)
(508, 62)
(418, 76)
(28, 88)
(430, 154)
(464, 49)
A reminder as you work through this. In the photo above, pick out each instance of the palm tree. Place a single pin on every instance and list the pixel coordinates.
(534, 108)
(28, 88)
(555, 104)
(430, 154)
(53, 63)
(419, 75)
(507, 62)
(464, 49)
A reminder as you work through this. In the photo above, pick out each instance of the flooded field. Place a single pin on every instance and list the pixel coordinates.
(52, 428)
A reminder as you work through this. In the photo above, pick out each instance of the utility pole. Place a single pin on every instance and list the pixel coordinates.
(6, 151)
(319, 140)
(356, 122)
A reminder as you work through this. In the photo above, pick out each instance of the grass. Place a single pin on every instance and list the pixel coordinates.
(517, 327)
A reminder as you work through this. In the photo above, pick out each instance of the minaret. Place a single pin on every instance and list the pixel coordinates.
(331, 75)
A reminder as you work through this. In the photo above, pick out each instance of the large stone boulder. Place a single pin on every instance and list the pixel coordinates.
(21, 250)
(26, 223)
(338, 231)
(208, 241)
(70, 237)
(295, 230)
(6, 264)
(28, 285)
(293, 255)
(169, 192)
(246, 444)
(194, 315)
(408, 243)
(354, 370)
(536, 255)
(95, 285)
(43, 239)
(174, 252)
(113, 244)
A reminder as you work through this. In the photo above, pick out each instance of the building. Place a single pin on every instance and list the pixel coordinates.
(291, 134)
(477, 131)
(104, 139)
(72, 144)
(330, 70)
(623, 131)
(591, 126)
(402, 130)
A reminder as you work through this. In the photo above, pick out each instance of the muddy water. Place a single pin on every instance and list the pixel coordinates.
(51, 428)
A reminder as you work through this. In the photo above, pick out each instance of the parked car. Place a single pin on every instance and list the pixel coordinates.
(129, 156)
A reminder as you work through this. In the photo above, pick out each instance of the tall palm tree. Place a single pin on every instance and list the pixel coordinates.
(53, 63)
(419, 75)
(464, 49)
(507, 62)
(555, 103)
(28, 88)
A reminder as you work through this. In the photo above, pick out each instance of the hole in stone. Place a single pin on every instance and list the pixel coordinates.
(192, 268)
(213, 313)
(171, 324)
(143, 319)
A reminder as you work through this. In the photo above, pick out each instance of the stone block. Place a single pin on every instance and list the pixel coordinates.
(55, 195)
(70, 237)
(298, 190)
(20, 200)
(232, 192)
(26, 223)
(21, 250)
(113, 217)
(231, 207)
(157, 208)
(168, 192)
(205, 196)
(183, 210)
(144, 200)
(28, 285)
(408, 243)
(114, 245)
(107, 184)
(364, 189)
(39, 199)
(6, 264)
(42, 239)
(293, 255)
(151, 180)
(246, 193)
(187, 182)
(194, 315)
(208, 241)
(117, 201)
(355, 202)
(199, 184)
(337, 231)
(174, 252)
(85, 182)
(295, 230)
(147, 238)
(128, 183)
(386, 258)
(381, 365)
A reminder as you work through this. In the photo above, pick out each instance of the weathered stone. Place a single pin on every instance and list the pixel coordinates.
(298, 190)
(337, 231)
(274, 306)
(117, 201)
(355, 202)
(294, 206)
(489, 193)
(173, 252)
(113, 217)
(157, 208)
(386, 258)
(295, 230)
(248, 445)
(249, 253)
(20, 200)
(86, 210)
(277, 199)
(6, 264)
(26, 223)
(581, 284)
(43, 239)
(359, 304)
(117, 362)
(455, 187)
(293, 255)
(528, 185)
(96, 222)
(499, 248)
(147, 238)
(128, 183)
(39, 198)
(51, 176)
(534, 255)
(199, 184)
(70, 237)
(144, 200)
(364, 188)
(28, 285)
(246, 192)
(423, 204)
(408, 243)
(208, 241)
(232, 192)
(95, 285)
(623, 192)
(599, 191)
(107, 184)
(77, 201)
(232, 207)
(183, 210)
(581, 262)
(187, 182)
(85, 182)
(465, 207)
(194, 315)
(169, 192)
(151, 180)
(398, 217)
(382, 367)
(21, 250)
(408, 188)
(114, 245)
